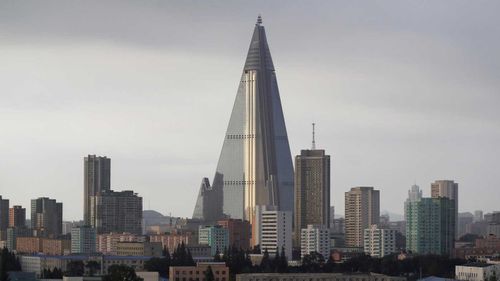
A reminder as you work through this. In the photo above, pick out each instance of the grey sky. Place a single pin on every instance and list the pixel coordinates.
(402, 91)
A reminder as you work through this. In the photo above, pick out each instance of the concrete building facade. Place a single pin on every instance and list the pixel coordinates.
(183, 273)
(172, 240)
(107, 243)
(380, 242)
(273, 230)
(46, 216)
(315, 238)
(83, 240)
(17, 216)
(477, 271)
(447, 189)
(216, 236)
(117, 212)
(312, 190)
(362, 209)
(239, 232)
(151, 249)
(430, 226)
(4, 214)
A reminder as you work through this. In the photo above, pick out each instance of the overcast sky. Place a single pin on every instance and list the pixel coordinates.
(401, 91)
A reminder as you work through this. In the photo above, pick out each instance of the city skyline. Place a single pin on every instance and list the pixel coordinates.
(387, 118)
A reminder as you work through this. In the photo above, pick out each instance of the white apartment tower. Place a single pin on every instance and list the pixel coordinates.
(273, 229)
(379, 242)
(315, 238)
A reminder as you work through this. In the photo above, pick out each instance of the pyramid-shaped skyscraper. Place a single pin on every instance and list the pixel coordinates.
(255, 164)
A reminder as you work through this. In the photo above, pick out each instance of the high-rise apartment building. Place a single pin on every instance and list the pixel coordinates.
(239, 232)
(273, 230)
(17, 216)
(430, 226)
(414, 194)
(46, 216)
(315, 238)
(4, 214)
(448, 189)
(312, 190)
(117, 212)
(478, 216)
(255, 165)
(379, 242)
(83, 240)
(362, 209)
(215, 236)
(96, 178)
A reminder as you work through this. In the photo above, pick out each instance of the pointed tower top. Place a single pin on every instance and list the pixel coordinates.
(259, 20)
(314, 138)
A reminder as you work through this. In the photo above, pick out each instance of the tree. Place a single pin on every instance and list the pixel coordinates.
(93, 267)
(160, 265)
(75, 269)
(312, 262)
(282, 265)
(8, 262)
(120, 272)
(265, 264)
(209, 274)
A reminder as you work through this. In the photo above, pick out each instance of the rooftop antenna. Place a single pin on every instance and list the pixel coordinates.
(259, 20)
(314, 140)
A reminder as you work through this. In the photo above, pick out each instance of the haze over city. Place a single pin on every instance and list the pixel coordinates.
(402, 92)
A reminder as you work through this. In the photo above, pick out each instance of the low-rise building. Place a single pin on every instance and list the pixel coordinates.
(198, 250)
(183, 273)
(273, 230)
(83, 240)
(476, 271)
(316, 277)
(315, 238)
(239, 232)
(47, 246)
(152, 249)
(37, 263)
(106, 243)
(173, 239)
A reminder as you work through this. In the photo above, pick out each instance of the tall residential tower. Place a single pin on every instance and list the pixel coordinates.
(96, 178)
(447, 189)
(362, 210)
(312, 190)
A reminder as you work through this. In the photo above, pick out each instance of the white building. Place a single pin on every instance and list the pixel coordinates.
(315, 238)
(274, 230)
(379, 242)
(476, 271)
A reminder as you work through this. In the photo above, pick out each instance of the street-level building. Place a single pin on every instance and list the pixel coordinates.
(183, 273)
(316, 277)
(477, 271)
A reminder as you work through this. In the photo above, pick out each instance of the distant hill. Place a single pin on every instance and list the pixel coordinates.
(393, 216)
(152, 217)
